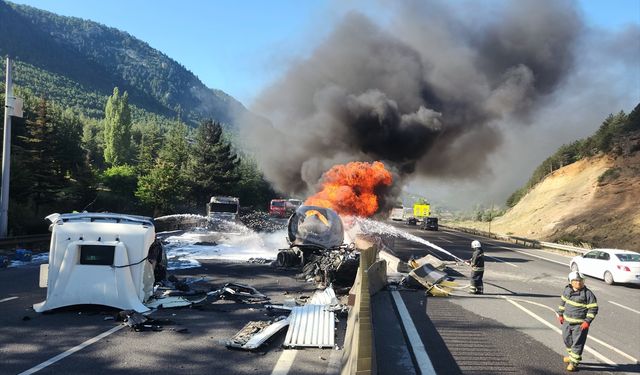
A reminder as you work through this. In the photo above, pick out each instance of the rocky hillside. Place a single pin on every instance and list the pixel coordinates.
(594, 200)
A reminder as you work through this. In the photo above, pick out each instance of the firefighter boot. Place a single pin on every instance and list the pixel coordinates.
(571, 367)
(566, 359)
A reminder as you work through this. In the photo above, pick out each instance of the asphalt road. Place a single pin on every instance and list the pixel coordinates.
(28, 339)
(512, 327)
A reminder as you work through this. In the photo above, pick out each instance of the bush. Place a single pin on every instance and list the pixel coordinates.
(121, 179)
(609, 175)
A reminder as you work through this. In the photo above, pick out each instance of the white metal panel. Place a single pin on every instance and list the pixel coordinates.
(311, 326)
(326, 297)
(259, 338)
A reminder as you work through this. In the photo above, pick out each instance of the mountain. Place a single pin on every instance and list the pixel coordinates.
(78, 63)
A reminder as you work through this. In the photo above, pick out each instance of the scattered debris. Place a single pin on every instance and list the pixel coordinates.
(139, 322)
(429, 272)
(239, 293)
(170, 302)
(259, 260)
(260, 221)
(256, 333)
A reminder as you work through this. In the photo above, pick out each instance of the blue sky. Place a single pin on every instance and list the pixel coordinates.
(240, 46)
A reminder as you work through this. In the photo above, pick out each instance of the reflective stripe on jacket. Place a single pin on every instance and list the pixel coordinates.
(578, 306)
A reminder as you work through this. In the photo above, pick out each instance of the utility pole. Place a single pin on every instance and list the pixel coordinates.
(12, 107)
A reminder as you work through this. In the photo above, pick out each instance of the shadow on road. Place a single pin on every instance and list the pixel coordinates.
(602, 367)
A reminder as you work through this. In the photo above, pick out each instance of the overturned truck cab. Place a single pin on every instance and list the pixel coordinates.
(101, 258)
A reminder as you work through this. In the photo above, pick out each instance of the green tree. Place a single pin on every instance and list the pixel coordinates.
(611, 127)
(212, 168)
(253, 189)
(150, 142)
(93, 141)
(633, 120)
(39, 151)
(162, 189)
(121, 180)
(117, 129)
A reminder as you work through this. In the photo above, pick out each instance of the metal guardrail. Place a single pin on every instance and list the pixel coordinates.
(557, 246)
(521, 240)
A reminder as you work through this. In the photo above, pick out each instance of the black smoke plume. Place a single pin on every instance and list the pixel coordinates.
(422, 95)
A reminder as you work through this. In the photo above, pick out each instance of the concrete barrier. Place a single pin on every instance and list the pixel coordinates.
(358, 356)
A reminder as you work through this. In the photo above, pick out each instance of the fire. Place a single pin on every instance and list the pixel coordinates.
(350, 189)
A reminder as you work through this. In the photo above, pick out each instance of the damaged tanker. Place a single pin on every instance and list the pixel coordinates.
(316, 243)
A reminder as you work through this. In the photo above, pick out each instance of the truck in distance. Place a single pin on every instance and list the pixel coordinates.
(223, 208)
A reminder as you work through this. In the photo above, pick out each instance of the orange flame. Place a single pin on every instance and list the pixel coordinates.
(349, 189)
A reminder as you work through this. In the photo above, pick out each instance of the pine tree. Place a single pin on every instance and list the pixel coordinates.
(93, 141)
(117, 129)
(149, 147)
(213, 166)
(39, 152)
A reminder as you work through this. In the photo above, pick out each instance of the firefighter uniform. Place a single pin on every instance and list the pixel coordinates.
(576, 307)
(477, 269)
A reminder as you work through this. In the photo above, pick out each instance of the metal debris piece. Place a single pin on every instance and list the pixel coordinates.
(169, 302)
(427, 259)
(311, 326)
(432, 279)
(325, 297)
(239, 293)
(278, 307)
(256, 333)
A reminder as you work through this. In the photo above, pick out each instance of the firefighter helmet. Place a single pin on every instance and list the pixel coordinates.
(575, 275)
(475, 244)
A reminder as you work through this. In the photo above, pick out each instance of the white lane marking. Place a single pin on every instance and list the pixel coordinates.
(444, 239)
(591, 337)
(284, 363)
(615, 303)
(71, 351)
(535, 256)
(502, 261)
(419, 351)
(7, 299)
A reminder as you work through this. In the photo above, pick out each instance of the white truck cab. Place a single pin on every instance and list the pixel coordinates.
(98, 258)
(223, 208)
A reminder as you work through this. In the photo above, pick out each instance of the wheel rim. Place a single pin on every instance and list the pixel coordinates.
(608, 278)
(574, 267)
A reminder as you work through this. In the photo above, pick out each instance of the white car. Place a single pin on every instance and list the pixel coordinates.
(611, 265)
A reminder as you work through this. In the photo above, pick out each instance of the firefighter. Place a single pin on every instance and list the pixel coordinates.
(477, 268)
(578, 307)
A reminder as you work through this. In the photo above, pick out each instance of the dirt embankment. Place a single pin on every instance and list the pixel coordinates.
(594, 200)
